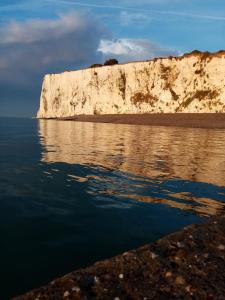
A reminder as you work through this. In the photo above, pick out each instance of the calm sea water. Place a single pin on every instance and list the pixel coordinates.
(74, 193)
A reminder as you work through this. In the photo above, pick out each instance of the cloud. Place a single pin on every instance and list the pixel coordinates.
(69, 38)
(31, 48)
(131, 49)
(31, 31)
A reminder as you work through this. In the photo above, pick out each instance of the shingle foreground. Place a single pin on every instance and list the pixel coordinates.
(189, 264)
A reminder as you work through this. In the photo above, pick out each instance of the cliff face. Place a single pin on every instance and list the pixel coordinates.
(192, 83)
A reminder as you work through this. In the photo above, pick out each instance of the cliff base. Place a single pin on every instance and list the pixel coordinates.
(197, 120)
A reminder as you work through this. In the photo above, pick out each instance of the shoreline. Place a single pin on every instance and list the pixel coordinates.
(188, 264)
(190, 120)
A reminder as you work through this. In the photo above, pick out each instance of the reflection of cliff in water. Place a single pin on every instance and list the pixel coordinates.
(162, 155)
(192, 154)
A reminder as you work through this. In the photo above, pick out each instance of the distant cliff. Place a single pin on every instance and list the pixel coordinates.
(193, 83)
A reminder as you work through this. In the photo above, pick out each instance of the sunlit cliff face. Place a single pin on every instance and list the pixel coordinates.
(176, 161)
(192, 83)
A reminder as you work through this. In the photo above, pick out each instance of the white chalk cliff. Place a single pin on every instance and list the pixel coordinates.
(192, 83)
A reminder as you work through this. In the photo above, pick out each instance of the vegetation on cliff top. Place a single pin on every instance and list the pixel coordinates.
(109, 62)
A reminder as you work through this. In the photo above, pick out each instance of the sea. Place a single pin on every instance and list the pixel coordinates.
(73, 193)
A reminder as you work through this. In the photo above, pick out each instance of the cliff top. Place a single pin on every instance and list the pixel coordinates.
(196, 53)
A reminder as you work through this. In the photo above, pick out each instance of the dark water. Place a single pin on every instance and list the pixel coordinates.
(74, 193)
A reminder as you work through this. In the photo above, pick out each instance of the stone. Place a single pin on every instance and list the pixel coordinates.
(96, 279)
(221, 247)
(153, 255)
(168, 274)
(76, 289)
(179, 280)
(180, 245)
(66, 294)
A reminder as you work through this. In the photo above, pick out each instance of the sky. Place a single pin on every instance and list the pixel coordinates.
(51, 36)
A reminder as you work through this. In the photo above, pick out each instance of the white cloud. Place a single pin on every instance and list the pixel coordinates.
(131, 49)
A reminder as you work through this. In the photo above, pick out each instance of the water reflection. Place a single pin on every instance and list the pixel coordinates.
(179, 167)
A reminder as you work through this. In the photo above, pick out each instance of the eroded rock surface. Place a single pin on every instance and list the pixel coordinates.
(193, 83)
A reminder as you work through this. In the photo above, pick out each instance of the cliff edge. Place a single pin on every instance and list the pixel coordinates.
(192, 83)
